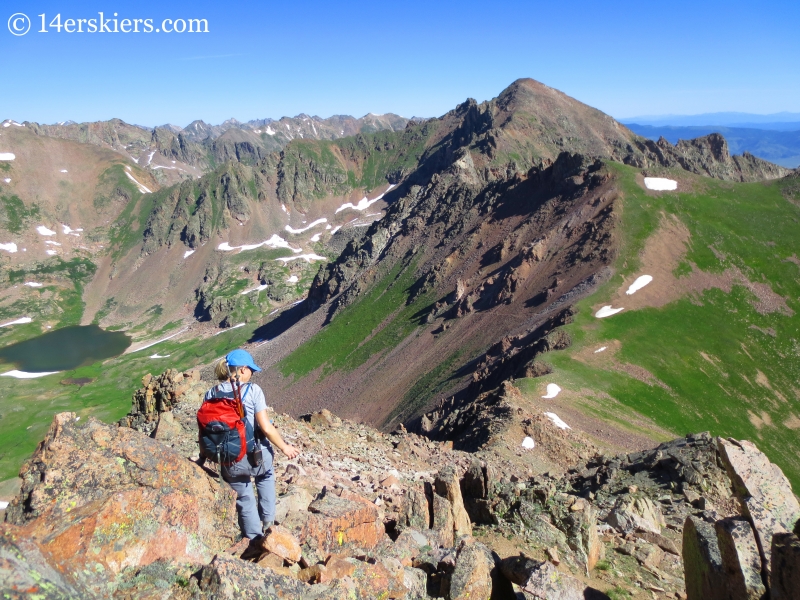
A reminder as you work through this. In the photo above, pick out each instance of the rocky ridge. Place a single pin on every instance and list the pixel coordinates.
(109, 511)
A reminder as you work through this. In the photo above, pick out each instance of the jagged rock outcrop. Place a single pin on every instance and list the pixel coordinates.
(707, 155)
(97, 499)
(161, 394)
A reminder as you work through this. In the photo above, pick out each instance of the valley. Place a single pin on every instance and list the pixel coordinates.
(404, 271)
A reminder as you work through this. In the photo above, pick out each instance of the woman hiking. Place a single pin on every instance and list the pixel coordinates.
(236, 369)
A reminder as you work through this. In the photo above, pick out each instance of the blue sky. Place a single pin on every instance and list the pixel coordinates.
(270, 58)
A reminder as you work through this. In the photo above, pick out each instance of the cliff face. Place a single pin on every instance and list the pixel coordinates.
(107, 511)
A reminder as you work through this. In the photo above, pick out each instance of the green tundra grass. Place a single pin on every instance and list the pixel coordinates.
(726, 367)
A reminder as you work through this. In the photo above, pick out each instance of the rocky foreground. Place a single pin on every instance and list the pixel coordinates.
(123, 511)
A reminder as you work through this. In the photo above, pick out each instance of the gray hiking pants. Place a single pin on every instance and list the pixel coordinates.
(239, 477)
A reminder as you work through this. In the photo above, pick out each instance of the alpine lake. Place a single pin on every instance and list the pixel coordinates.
(65, 349)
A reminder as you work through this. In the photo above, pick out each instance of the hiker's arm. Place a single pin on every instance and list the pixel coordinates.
(274, 436)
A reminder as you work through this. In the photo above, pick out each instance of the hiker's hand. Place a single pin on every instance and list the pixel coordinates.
(290, 451)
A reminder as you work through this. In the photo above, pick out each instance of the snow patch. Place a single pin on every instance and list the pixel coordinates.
(159, 341)
(7, 179)
(52, 243)
(291, 229)
(557, 420)
(51, 252)
(259, 288)
(552, 390)
(188, 253)
(63, 171)
(335, 229)
(157, 355)
(602, 349)
(660, 184)
(33, 284)
(26, 375)
(363, 204)
(141, 187)
(10, 247)
(44, 230)
(639, 284)
(270, 131)
(231, 327)
(20, 321)
(7, 156)
(307, 257)
(293, 279)
(3, 505)
(275, 241)
(284, 209)
(69, 230)
(528, 443)
(315, 237)
(607, 311)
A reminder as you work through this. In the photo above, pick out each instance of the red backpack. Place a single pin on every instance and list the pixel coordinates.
(225, 434)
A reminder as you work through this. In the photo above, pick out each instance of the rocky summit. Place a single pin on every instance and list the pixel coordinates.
(125, 511)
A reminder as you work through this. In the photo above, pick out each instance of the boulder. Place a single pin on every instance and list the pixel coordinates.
(415, 581)
(230, 578)
(581, 529)
(702, 562)
(408, 546)
(448, 486)
(542, 581)
(281, 542)
(167, 428)
(476, 574)
(632, 512)
(764, 490)
(741, 560)
(101, 498)
(785, 581)
(443, 523)
(296, 499)
(337, 523)
(25, 572)
(324, 418)
(414, 510)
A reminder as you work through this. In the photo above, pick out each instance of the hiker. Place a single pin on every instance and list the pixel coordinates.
(257, 462)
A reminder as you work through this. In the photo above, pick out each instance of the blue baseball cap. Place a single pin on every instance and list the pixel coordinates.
(241, 358)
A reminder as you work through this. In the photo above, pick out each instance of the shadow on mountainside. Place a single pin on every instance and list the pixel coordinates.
(280, 324)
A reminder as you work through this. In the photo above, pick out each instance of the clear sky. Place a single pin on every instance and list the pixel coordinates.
(270, 58)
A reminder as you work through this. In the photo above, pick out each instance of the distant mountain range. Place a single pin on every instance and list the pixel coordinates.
(782, 121)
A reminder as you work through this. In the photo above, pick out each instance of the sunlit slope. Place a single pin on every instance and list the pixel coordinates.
(713, 343)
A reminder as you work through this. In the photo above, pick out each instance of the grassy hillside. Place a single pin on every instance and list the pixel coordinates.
(709, 359)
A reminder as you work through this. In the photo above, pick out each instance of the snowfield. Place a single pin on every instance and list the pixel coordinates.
(552, 390)
(557, 420)
(44, 230)
(291, 229)
(33, 284)
(275, 241)
(306, 257)
(7, 156)
(20, 321)
(188, 253)
(364, 203)
(10, 247)
(639, 284)
(26, 375)
(607, 311)
(528, 443)
(142, 188)
(660, 184)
